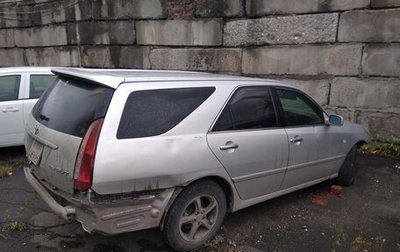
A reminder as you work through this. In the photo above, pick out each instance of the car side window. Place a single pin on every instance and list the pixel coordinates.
(39, 83)
(154, 112)
(299, 110)
(9, 87)
(249, 108)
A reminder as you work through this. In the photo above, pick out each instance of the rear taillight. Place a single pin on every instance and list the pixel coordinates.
(83, 174)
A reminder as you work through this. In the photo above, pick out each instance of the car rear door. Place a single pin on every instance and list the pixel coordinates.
(247, 141)
(315, 149)
(11, 110)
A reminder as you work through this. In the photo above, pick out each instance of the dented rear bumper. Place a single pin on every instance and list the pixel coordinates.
(107, 215)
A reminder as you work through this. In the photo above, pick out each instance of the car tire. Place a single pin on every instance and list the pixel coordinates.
(347, 171)
(195, 216)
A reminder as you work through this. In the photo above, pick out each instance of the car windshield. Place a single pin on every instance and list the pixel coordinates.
(70, 105)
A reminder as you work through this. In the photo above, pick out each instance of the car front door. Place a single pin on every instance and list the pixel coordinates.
(247, 141)
(314, 148)
(11, 110)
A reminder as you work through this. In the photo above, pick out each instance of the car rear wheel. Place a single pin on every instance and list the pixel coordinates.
(195, 216)
(347, 171)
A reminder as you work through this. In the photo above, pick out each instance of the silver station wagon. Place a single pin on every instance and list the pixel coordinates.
(125, 150)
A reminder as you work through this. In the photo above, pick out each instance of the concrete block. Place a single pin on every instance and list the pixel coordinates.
(215, 60)
(7, 38)
(11, 57)
(41, 36)
(222, 8)
(12, 15)
(27, 16)
(180, 9)
(371, 93)
(130, 57)
(180, 32)
(303, 60)
(120, 57)
(122, 9)
(317, 89)
(102, 33)
(381, 60)
(382, 126)
(55, 12)
(281, 30)
(53, 56)
(385, 3)
(96, 57)
(8, 16)
(370, 26)
(265, 7)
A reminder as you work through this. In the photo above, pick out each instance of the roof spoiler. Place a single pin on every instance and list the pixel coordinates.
(97, 76)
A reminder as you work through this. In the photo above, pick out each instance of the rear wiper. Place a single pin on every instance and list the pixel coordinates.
(43, 117)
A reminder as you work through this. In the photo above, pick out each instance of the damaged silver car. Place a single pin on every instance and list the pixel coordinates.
(126, 150)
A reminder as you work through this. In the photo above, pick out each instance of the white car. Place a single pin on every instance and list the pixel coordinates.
(20, 88)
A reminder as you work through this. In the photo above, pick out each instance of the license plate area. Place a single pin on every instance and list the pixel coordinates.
(35, 152)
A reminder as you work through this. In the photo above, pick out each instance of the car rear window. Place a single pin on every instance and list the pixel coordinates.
(154, 112)
(70, 105)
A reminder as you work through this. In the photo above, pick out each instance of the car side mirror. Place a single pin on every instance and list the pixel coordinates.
(335, 120)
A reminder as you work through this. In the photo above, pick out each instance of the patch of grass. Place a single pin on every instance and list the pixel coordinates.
(339, 235)
(14, 221)
(15, 226)
(359, 244)
(379, 242)
(5, 171)
(386, 149)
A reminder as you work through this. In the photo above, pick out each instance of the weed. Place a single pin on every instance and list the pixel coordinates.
(359, 244)
(5, 171)
(15, 226)
(379, 242)
(15, 223)
(386, 149)
(339, 235)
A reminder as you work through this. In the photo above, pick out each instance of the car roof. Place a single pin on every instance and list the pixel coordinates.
(24, 69)
(115, 77)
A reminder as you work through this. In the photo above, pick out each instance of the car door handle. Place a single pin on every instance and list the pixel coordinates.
(10, 109)
(296, 139)
(229, 146)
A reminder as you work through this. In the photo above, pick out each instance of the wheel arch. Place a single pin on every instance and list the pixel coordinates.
(360, 143)
(220, 181)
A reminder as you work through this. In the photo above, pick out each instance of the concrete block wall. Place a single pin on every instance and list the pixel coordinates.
(346, 54)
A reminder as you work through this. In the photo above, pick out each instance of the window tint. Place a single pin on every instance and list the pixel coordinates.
(9, 87)
(298, 110)
(39, 83)
(70, 106)
(249, 108)
(154, 112)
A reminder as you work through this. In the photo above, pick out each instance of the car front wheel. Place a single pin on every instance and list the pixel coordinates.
(347, 171)
(195, 216)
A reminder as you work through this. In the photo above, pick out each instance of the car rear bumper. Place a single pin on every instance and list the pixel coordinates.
(107, 216)
(66, 212)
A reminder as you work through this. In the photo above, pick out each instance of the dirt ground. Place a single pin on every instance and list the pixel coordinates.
(363, 217)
